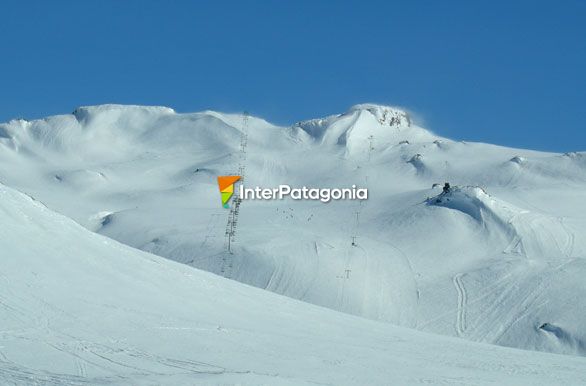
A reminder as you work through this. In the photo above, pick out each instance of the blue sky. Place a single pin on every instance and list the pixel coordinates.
(510, 72)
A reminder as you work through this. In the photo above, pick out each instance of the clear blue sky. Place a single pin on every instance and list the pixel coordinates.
(508, 72)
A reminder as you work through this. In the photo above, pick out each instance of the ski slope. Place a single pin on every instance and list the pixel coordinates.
(77, 308)
(498, 260)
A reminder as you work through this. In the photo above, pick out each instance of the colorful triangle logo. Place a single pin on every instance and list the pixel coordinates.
(226, 185)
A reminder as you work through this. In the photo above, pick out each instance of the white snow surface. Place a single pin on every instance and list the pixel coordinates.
(77, 308)
(498, 259)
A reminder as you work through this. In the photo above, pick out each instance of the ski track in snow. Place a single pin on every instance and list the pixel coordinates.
(462, 302)
(569, 250)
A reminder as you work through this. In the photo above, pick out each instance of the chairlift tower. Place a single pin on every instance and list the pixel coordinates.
(231, 225)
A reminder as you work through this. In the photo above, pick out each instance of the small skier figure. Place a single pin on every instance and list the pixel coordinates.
(447, 187)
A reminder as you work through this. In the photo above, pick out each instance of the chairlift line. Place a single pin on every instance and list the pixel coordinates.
(231, 225)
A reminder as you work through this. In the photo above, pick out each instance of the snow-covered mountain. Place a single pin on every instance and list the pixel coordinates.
(77, 308)
(498, 259)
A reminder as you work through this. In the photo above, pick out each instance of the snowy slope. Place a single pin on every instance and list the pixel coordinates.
(77, 308)
(498, 260)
